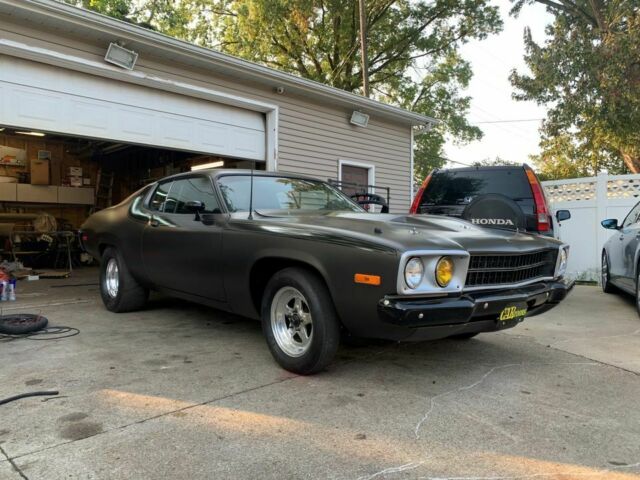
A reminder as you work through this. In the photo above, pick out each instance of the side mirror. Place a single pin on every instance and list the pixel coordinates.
(610, 223)
(194, 207)
(562, 215)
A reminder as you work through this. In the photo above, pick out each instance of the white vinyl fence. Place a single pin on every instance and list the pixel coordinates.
(590, 200)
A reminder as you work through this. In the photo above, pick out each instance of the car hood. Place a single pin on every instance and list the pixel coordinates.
(416, 232)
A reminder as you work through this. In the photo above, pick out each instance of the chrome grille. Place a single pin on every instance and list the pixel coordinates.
(499, 269)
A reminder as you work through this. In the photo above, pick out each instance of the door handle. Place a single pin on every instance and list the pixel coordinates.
(153, 222)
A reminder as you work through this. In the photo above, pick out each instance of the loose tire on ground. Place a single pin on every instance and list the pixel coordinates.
(287, 291)
(119, 290)
(21, 323)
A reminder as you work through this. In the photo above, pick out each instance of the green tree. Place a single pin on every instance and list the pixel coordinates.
(413, 48)
(588, 73)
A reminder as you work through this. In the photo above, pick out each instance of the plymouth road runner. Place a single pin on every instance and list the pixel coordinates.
(310, 264)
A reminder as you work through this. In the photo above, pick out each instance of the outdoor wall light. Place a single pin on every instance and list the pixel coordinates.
(121, 57)
(360, 119)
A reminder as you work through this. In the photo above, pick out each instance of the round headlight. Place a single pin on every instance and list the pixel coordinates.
(413, 272)
(562, 262)
(444, 271)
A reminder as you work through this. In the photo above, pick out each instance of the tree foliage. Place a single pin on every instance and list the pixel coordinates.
(413, 47)
(588, 73)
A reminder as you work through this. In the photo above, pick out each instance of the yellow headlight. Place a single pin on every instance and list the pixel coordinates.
(444, 271)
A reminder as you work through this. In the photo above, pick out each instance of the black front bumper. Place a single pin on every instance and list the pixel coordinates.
(482, 307)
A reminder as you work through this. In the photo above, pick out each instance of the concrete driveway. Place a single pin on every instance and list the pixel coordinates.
(184, 392)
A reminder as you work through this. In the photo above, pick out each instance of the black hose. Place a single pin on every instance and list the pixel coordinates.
(31, 394)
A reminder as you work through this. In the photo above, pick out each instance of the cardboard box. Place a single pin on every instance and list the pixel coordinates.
(75, 171)
(86, 181)
(75, 181)
(39, 172)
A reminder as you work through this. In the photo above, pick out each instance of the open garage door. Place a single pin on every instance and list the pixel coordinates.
(36, 96)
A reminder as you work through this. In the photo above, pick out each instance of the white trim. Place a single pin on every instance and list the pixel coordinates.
(57, 59)
(412, 166)
(371, 175)
(64, 13)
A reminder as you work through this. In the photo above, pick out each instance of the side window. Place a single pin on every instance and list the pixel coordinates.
(194, 189)
(633, 217)
(159, 197)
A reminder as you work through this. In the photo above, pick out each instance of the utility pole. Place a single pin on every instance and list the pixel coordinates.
(363, 48)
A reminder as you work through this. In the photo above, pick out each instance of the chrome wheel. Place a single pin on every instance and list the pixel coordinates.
(604, 271)
(291, 321)
(112, 278)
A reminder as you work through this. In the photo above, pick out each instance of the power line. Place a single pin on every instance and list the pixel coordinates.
(513, 121)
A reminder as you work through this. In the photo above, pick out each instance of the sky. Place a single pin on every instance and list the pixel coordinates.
(492, 60)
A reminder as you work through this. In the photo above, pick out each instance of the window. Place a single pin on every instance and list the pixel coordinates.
(159, 197)
(633, 217)
(282, 193)
(194, 189)
(462, 186)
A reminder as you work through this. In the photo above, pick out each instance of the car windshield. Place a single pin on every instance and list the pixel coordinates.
(282, 193)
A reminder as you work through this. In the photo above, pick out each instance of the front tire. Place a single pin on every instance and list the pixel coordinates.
(605, 277)
(299, 321)
(119, 290)
(638, 289)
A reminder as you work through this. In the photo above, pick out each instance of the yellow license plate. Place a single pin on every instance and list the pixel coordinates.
(512, 312)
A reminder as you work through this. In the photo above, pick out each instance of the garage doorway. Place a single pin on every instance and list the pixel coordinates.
(50, 184)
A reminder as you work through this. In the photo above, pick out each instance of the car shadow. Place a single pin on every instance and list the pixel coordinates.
(488, 348)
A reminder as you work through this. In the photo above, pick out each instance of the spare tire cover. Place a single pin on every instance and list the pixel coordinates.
(493, 210)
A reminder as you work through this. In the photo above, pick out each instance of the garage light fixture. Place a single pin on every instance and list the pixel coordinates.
(360, 119)
(33, 134)
(121, 57)
(204, 166)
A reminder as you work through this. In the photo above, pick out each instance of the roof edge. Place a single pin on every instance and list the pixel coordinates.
(258, 72)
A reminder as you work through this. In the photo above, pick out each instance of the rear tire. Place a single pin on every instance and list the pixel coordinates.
(605, 278)
(119, 290)
(299, 321)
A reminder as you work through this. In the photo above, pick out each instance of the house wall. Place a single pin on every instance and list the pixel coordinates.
(313, 137)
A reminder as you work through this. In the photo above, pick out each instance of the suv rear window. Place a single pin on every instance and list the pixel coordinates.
(458, 187)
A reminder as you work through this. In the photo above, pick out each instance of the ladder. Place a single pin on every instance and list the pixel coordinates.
(104, 190)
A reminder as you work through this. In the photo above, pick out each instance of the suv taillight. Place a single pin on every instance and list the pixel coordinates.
(542, 211)
(418, 198)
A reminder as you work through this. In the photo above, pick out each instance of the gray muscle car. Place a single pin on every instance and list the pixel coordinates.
(303, 258)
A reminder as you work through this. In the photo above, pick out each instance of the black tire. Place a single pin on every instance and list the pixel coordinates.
(605, 278)
(638, 289)
(324, 328)
(22, 323)
(128, 295)
(464, 336)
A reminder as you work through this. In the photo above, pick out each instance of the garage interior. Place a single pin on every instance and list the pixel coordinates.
(50, 183)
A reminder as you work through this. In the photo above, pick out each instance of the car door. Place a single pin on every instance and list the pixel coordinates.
(180, 252)
(629, 241)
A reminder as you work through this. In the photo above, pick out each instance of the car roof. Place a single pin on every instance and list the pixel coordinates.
(218, 172)
(482, 168)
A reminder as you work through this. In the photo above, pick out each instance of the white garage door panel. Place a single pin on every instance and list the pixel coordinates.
(42, 97)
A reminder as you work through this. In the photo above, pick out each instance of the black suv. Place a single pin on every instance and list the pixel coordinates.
(497, 196)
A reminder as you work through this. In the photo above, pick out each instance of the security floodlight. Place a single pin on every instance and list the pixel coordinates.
(121, 57)
(360, 119)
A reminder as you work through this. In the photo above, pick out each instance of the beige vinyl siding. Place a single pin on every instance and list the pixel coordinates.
(312, 136)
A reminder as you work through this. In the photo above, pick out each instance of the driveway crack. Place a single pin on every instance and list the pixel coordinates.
(13, 464)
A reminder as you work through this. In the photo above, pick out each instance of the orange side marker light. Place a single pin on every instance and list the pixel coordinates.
(367, 279)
